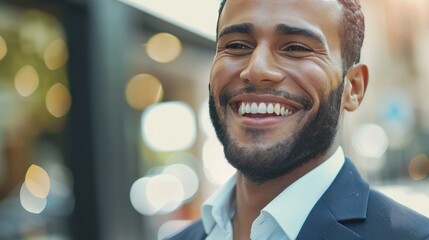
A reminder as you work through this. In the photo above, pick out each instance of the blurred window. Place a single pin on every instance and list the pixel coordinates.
(36, 196)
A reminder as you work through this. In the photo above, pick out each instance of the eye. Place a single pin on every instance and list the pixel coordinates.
(297, 48)
(236, 45)
(236, 48)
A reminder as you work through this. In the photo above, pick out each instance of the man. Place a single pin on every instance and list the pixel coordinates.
(283, 74)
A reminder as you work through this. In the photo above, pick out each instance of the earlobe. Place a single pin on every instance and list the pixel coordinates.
(355, 86)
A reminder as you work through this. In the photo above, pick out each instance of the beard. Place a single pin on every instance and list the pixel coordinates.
(310, 140)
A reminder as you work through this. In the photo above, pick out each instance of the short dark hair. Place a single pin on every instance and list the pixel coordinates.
(351, 32)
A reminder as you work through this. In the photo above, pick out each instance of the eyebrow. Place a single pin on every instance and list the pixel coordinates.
(281, 29)
(284, 29)
(236, 28)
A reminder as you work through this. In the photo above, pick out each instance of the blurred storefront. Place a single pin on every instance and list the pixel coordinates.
(105, 132)
(36, 185)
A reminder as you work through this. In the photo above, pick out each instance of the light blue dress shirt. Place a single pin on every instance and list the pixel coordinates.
(284, 216)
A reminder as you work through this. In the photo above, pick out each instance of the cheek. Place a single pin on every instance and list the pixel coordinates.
(218, 80)
(317, 79)
(215, 79)
(224, 73)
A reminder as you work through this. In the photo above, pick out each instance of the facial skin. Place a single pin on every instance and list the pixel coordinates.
(286, 52)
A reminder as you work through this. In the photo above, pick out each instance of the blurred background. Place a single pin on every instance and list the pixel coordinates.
(104, 127)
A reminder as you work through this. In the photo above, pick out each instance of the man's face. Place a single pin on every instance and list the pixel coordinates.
(275, 84)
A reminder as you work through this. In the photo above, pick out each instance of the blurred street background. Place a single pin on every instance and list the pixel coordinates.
(104, 126)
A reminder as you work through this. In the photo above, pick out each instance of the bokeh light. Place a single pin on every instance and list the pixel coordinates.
(216, 167)
(30, 202)
(370, 140)
(58, 100)
(205, 121)
(165, 188)
(3, 48)
(186, 176)
(26, 81)
(37, 181)
(56, 54)
(163, 47)
(165, 193)
(419, 167)
(169, 126)
(138, 197)
(158, 194)
(143, 90)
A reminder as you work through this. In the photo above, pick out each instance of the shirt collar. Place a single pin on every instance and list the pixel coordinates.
(289, 209)
(292, 206)
(218, 209)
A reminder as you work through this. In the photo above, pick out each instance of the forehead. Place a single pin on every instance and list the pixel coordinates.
(321, 15)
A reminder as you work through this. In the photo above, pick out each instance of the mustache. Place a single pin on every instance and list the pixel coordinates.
(225, 97)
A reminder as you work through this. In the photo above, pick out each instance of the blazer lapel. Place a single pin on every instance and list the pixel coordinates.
(322, 224)
(346, 199)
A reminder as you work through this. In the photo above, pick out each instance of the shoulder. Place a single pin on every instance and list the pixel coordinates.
(195, 231)
(398, 215)
(369, 213)
(386, 217)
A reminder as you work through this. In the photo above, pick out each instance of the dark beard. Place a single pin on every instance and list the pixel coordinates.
(310, 140)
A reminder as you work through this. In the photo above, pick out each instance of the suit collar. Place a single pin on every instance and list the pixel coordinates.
(346, 199)
(351, 190)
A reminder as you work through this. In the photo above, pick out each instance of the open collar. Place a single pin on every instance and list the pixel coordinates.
(292, 206)
(346, 199)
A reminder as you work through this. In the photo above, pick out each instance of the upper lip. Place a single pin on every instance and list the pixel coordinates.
(266, 98)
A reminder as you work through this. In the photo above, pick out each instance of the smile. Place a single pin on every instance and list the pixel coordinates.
(265, 108)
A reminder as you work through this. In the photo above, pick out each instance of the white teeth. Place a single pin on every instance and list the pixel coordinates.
(270, 108)
(242, 109)
(277, 108)
(263, 108)
(253, 108)
(248, 108)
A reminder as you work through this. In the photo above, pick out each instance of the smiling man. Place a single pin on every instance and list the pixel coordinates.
(284, 73)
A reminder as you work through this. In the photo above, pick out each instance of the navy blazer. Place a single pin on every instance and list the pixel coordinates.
(349, 210)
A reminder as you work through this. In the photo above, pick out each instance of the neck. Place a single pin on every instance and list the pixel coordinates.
(253, 197)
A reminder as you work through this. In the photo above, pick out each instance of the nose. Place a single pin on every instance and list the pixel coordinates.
(262, 68)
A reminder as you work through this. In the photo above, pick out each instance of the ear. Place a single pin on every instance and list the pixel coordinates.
(355, 86)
